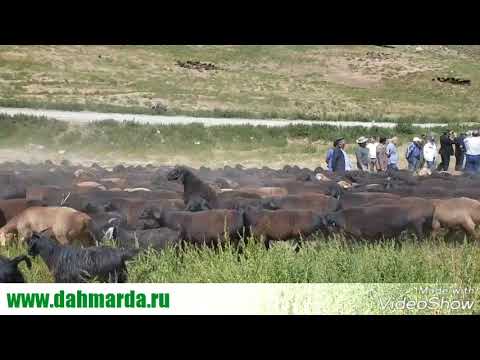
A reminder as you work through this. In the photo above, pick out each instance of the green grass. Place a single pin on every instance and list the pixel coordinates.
(128, 136)
(225, 113)
(358, 277)
(321, 261)
(304, 82)
(193, 144)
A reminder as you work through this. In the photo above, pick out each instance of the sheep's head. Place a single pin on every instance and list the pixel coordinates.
(329, 221)
(36, 242)
(177, 173)
(33, 248)
(151, 213)
(270, 204)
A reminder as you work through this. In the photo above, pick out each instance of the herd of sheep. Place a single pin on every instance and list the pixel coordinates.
(63, 212)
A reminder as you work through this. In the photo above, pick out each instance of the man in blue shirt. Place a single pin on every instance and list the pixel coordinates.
(330, 156)
(413, 154)
(392, 154)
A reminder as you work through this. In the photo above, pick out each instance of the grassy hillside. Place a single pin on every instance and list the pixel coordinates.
(251, 81)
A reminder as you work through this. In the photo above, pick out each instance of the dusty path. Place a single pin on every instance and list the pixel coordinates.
(87, 116)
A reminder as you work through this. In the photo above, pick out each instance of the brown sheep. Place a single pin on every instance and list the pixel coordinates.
(306, 201)
(13, 207)
(282, 224)
(457, 212)
(265, 191)
(86, 186)
(382, 221)
(45, 193)
(203, 227)
(224, 195)
(133, 208)
(68, 225)
(114, 182)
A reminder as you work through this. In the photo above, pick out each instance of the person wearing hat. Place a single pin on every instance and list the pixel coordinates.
(472, 151)
(340, 159)
(446, 150)
(413, 154)
(392, 154)
(421, 163)
(382, 158)
(362, 154)
(430, 153)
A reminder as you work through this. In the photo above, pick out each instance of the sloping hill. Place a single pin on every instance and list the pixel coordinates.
(249, 81)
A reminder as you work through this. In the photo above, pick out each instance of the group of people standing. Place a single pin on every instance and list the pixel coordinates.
(382, 154)
(371, 155)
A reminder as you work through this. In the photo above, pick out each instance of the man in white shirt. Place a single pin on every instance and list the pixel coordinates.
(348, 163)
(372, 149)
(472, 151)
(430, 153)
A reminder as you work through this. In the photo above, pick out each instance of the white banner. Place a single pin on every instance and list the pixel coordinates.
(237, 299)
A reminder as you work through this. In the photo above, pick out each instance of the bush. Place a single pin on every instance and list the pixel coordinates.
(405, 129)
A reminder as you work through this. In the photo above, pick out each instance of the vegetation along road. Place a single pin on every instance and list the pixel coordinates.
(88, 116)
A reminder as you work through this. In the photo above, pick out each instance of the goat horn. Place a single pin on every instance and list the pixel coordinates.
(136, 240)
(64, 200)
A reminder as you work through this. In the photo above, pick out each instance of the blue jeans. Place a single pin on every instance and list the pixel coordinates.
(413, 164)
(472, 163)
(392, 167)
(431, 165)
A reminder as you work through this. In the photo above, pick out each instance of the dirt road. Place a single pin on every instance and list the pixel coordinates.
(87, 116)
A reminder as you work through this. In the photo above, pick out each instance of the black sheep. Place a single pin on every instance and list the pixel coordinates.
(159, 239)
(70, 264)
(194, 190)
(9, 272)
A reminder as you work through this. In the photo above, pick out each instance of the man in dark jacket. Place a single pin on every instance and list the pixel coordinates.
(340, 160)
(459, 151)
(446, 150)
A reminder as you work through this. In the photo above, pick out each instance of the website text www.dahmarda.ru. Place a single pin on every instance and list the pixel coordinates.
(79, 299)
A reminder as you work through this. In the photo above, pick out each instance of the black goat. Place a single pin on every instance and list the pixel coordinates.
(9, 272)
(71, 264)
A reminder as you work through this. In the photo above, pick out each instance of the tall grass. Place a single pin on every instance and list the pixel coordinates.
(322, 261)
